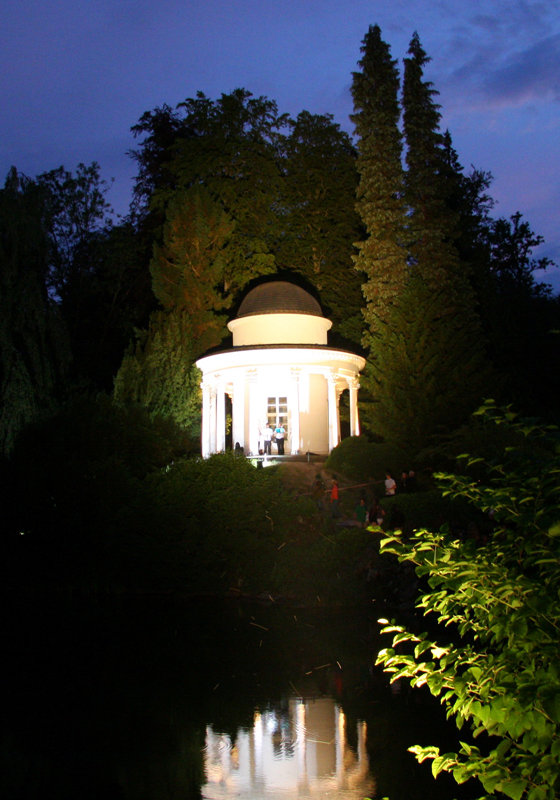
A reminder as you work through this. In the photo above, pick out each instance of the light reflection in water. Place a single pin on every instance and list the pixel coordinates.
(297, 750)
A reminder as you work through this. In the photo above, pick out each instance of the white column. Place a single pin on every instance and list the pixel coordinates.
(220, 415)
(294, 428)
(205, 434)
(238, 413)
(333, 410)
(254, 411)
(353, 386)
(339, 391)
(212, 418)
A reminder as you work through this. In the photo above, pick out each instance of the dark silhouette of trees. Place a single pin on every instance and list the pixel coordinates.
(34, 351)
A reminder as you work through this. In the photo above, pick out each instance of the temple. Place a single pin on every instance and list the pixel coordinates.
(281, 371)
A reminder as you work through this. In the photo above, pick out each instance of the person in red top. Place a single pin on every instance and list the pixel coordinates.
(334, 498)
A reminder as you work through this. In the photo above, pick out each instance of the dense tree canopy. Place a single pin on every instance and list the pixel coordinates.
(317, 218)
(33, 341)
(426, 367)
(382, 255)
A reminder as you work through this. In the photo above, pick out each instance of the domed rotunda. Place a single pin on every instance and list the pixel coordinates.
(280, 371)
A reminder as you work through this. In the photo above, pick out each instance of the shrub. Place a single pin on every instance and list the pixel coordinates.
(503, 678)
(358, 458)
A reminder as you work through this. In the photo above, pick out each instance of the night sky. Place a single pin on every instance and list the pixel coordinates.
(77, 75)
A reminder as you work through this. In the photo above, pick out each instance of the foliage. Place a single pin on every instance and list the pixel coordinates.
(101, 497)
(77, 213)
(158, 372)
(503, 678)
(188, 269)
(286, 186)
(425, 373)
(528, 355)
(33, 340)
(326, 567)
(116, 298)
(318, 218)
(228, 146)
(429, 509)
(426, 367)
(357, 457)
(431, 222)
(380, 192)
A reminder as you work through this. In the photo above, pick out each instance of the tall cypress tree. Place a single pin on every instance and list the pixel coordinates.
(426, 368)
(433, 222)
(381, 256)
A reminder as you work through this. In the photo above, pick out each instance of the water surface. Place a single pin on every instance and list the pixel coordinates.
(148, 699)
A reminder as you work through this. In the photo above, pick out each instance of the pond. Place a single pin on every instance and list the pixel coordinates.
(166, 700)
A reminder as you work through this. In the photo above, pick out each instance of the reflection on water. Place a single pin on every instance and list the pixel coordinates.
(140, 700)
(297, 749)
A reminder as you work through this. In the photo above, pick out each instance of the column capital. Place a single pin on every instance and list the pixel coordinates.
(333, 376)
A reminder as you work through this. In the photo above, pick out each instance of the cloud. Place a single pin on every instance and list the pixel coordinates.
(528, 76)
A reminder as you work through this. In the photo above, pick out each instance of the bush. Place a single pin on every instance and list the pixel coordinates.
(429, 510)
(503, 678)
(358, 458)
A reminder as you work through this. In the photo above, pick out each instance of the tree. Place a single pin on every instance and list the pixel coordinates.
(189, 269)
(94, 271)
(317, 217)
(426, 367)
(522, 317)
(423, 374)
(229, 146)
(158, 372)
(382, 256)
(33, 340)
(431, 223)
(77, 213)
(503, 677)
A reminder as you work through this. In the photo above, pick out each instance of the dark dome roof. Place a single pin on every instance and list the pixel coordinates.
(279, 297)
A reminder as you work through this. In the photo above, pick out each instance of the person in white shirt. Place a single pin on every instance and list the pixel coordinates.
(267, 437)
(390, 485)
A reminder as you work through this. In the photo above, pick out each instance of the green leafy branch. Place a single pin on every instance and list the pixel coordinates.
(503, 677)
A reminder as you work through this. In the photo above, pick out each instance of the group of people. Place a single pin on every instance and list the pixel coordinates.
(374, 515)
(268, 434)
(318, 491)
(407, 483)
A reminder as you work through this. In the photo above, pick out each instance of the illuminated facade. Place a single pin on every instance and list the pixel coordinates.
(279, 370)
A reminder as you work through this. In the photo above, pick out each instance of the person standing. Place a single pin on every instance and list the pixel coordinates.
(376, 513)
(411, 483)
(267, 437)
(390, 485)
(334, 498)
(404, 481)
(318, 491)
(361, 513)
(280, 433)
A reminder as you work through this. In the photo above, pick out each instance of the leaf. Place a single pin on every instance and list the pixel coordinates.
(438, 652)
(443, 763)
(514, 789)
(537, 793)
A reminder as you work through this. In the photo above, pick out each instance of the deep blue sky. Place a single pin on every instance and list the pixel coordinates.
(77, 75)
